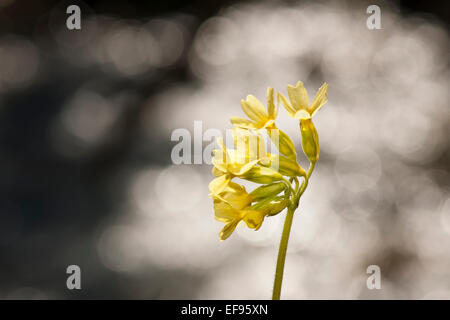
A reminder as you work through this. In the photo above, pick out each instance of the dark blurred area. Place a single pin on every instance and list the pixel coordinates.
(77, 121)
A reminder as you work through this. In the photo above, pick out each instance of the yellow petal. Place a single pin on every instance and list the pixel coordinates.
(249, 146)
(234, 187)
(286, 104)
(237, 200)
(236, 196)
(254, 219)
(320, 99)
(254, 109)
(224, 212)
(243, 123)
(228, 230)
(241, 169)
(221, 157)
(219, 160)
(271, 109)
(219, 184)
(298, 96)
(217, 172)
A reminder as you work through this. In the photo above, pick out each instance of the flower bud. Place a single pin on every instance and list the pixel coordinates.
(285, 166)
(271, 206)
(282, 141)
(277, 206)
(290, 168)
(268, 190)
(262, 175)
(310, 140)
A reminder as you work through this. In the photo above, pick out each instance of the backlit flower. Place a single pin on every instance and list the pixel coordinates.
(299, 107)
(230, 163)
(254, 109)
(232, 207)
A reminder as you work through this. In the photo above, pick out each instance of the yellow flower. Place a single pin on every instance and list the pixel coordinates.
(230, 163)
(255, 110)
(232, 207)
(262, 119)
(299, 107)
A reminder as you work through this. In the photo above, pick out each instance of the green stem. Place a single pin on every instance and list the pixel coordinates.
(285, 237)
(282, 254)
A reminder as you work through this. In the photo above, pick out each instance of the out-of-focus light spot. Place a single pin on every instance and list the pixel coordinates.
(367, 234)
(19, 62)
(121, 45)
(213, 39)
(180, 188)
(88, 116)
(363, 204)
(408, 133)
(310, 225)
(418, 192)
(134, 49)
(84, 123)
(345, 61)
(143, 193)
(179, 107)
(358, 168)
(170, 40)
(183, 243)
(222, 281)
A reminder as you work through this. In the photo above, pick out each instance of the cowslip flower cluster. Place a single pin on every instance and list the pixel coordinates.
(250, 161)
(278, 174)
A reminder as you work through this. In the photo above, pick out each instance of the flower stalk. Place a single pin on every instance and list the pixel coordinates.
(285, 237)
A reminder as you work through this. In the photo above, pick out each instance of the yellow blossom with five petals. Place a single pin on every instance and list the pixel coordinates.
(255, 110)
(299, 107)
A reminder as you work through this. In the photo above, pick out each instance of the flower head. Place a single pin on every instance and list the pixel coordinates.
(254, 109)
(250, 161)
(229, 163)
(232, 207)
(299, 108)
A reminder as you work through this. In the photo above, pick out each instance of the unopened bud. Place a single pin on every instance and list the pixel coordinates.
(262, 175)
(267, 191)
(282, 141)
(310, 139)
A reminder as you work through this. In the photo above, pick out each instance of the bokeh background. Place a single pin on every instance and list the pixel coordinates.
(86, 175)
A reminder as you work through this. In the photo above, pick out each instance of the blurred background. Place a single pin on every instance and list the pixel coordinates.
(86, 176)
